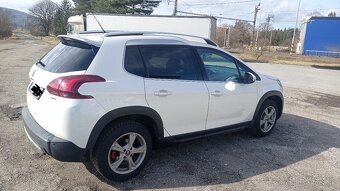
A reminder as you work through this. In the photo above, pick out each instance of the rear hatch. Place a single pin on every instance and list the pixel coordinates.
(72, 56)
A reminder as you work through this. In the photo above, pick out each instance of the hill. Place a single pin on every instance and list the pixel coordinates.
(18, 18)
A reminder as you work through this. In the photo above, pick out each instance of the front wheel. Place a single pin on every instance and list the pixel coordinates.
(266, 119)
(122, 151)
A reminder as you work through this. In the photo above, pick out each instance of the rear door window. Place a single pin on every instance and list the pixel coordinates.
(169, 62)
(68, 56)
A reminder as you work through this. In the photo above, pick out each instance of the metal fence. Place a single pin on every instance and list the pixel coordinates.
(321, 53)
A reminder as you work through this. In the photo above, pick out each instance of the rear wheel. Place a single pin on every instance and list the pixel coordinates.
(122, 151)
(266, 119)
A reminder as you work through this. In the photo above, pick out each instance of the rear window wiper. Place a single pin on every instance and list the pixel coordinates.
(40, 63)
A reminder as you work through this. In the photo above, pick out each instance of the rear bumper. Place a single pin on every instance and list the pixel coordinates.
(58, 148)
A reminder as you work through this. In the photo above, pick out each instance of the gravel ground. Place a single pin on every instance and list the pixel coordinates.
(302, 153)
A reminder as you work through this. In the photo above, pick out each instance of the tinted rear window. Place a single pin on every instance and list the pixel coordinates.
(68, 56)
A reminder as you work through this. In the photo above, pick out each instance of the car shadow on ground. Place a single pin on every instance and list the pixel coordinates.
(233, 157)
(326, 67)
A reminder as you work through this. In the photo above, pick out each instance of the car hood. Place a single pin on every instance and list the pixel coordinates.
(269, 77)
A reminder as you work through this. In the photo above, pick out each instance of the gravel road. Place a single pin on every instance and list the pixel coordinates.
(302, 153)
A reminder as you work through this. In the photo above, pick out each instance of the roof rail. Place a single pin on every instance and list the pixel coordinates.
(98, 31)
(208, 41)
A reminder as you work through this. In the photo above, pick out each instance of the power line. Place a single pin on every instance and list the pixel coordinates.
(225, 3)
(306, 10)
(191, 7)
(218, 17)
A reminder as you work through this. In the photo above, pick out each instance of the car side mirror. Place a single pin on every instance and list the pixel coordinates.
(249, 78)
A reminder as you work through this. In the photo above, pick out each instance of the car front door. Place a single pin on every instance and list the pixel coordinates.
(230, 100)
(174, 87)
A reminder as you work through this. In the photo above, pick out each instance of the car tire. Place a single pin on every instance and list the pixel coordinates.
(122, 151)
(266, 118)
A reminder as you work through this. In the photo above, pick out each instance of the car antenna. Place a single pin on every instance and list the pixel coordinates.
(98, 22)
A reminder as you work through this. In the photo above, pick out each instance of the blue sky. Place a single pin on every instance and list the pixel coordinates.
(284, 11)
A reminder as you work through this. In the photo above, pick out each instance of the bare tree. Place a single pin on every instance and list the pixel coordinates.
(42, 14)
(241, 34)
(314, 14)
(332, 14)
(5, 25)
(220, 34)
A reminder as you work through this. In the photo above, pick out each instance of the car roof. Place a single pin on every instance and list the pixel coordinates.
(96, 38)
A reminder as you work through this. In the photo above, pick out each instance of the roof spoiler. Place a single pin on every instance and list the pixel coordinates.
(79, 39)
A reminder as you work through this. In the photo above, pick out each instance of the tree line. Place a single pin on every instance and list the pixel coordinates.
(47, 17)
(241, 35)
(5, 25)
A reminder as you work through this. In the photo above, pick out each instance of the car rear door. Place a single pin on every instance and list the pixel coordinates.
(174, 87)
(230, 101)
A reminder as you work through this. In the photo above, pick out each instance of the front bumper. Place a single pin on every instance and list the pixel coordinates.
(58, 148)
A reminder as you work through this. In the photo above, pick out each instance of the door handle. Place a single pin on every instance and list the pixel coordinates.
(162, 93)
(216, 93)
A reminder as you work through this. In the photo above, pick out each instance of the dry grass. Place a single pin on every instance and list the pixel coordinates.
(25, 35)
(50, 39)
(285, 58)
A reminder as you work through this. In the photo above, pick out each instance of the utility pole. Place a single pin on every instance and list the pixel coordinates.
(257, 8)
(257, 33)
(271, 37)
(296, 22)
(226, 41)
(268, 19)
(175, 8)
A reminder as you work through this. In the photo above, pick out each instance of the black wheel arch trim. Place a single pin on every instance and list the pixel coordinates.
(265, 97)
(122, 112)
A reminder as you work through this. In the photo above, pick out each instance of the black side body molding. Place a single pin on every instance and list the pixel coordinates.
(205, 133)
(123, 112)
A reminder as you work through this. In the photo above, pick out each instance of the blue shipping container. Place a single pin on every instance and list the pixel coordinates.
(322, 36)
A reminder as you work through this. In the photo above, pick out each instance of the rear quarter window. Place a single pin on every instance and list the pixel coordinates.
(133, 61)
(68, 56)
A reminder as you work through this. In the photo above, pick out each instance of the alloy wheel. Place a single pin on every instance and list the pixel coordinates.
(127, 153)
(267, 119)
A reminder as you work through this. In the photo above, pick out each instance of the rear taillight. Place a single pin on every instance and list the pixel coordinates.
(68, 86)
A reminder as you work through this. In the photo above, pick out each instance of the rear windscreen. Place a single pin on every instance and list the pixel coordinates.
(68, 56)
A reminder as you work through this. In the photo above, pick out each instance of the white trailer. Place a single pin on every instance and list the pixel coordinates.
(202, 26)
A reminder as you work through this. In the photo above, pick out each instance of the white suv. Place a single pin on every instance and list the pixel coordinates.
(110, 98)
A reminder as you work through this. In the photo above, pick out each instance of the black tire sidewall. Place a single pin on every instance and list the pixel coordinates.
(100, 154)
(257, 127)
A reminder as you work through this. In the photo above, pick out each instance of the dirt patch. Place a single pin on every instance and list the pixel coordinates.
(323, 100)
(5, 49)
(12, 113)
(310, 98)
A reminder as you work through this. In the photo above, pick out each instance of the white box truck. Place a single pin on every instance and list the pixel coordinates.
(201, 26)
